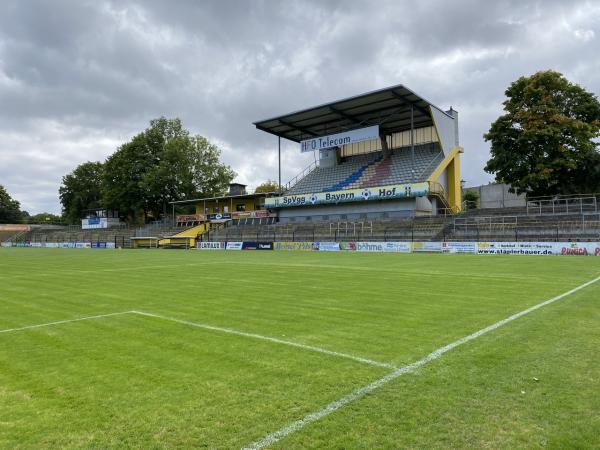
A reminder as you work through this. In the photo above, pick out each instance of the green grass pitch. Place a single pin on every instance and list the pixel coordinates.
(222, 373)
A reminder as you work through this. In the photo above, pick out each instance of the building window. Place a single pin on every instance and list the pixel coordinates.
(240, 207)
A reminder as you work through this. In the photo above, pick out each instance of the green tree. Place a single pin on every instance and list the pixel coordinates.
(541, 145)
(162, 164)
(45, 218)
(10, 209)
(471, 198)
(267, 186)
(209, 176)
(81, 190)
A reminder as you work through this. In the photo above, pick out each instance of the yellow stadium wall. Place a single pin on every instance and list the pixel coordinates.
(214, 207)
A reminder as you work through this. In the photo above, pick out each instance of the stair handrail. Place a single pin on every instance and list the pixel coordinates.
(430, 163)
(302, 174)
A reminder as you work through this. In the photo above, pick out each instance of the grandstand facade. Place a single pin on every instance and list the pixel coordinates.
(384, 154)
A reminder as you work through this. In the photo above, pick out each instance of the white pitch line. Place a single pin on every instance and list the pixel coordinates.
(58, 322)
(270, 339)
(361, 392)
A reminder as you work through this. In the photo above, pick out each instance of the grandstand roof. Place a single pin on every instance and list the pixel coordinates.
(390, 108)
(225, 197)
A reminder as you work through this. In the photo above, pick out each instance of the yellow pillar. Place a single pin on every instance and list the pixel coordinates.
(454, 191)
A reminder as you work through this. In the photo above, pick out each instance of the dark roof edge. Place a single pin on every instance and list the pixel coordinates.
(377, 91)
(223, 197)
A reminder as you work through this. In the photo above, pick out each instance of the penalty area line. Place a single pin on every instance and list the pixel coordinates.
(60, 322)
(361, 392)
(269, 339)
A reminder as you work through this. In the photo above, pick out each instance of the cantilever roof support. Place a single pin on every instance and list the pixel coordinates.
(412, 141)
(296, 127)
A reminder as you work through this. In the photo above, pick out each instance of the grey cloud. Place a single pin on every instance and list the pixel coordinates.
(79, 77)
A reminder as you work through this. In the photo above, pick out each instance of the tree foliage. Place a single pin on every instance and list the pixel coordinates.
(544, 143)
(471, 198)
(81, 190)
(10, 209)
(44, 218)
(162, 164)
(267, 186)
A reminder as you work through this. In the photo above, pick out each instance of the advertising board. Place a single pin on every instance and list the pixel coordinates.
(327, 246)
(94, 223)
(578, 248)
(427, 247)
(257, 246)
(459, 247)
(398, 247)
(210, 245)
(219, 217)
(234, 246)
(394, 191)
(517, 248)
(339, 139)
(288, 245)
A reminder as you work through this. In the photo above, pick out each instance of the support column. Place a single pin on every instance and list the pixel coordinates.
(279, 160)
(454, 191)
(412, 141)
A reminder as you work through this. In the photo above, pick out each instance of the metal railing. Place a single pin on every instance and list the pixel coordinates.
(563, 204)
(312, 166)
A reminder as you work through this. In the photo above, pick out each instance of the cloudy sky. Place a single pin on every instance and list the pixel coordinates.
(77, 78)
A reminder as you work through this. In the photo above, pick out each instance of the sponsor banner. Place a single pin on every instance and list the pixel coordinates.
(257, 246)
(427, 247)
(249, 214)
(398, 247)
(218, 217)
(348, 246)
(339, 139)
(326, 246)
(5, 244)
(190, 218)
(98, 244)
(517, 248)
(52, 245)
(579, 248)
(286, 245)
(459, 247)
(210, 245)
(539, 248)
(35, 244)
(110, 245)
(393, 191)
(234, 246)
(16, 227)
(94, 223)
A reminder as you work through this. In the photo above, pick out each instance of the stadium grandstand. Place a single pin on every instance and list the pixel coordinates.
(387, 168)
(384, 154)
